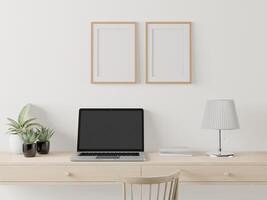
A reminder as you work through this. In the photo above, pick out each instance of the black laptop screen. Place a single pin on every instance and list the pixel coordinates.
(111, 130)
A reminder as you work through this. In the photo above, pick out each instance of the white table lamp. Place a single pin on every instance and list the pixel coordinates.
(220, 115)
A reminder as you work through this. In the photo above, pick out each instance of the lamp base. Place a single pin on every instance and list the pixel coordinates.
(220, 154)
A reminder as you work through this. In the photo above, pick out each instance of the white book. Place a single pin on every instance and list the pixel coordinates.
(178, 151)
(175, 154)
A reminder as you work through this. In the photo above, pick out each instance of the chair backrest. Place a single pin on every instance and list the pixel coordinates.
(150, 188)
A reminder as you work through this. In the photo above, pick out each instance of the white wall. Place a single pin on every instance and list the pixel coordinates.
(44, 59)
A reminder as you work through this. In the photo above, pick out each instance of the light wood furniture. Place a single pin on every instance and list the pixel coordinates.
(166, 187)
(57, 168)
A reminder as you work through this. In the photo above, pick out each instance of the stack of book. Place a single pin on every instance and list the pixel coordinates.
(179, 151)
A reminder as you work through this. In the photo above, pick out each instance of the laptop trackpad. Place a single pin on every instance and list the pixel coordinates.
(107, 157)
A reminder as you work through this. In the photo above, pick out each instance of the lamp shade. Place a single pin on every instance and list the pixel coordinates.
(220, 114)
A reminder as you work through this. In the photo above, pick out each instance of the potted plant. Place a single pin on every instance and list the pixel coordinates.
(16, 128)
(29, 137)
(44, 136)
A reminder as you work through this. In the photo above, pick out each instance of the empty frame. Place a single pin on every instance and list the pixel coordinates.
(113, 52)
(168, 52)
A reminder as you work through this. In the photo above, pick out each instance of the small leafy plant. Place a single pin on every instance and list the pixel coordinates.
(30, 136)
(22, 124)
(45, 134)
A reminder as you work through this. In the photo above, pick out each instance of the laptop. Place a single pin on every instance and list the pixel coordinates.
(110, 134)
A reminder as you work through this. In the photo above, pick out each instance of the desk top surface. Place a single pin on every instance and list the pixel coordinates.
(63, 158)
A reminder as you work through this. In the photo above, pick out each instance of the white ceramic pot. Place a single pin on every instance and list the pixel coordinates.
(15, 144)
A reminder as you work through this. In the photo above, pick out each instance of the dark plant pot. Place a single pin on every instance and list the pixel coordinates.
(43, 147)
(29, 150)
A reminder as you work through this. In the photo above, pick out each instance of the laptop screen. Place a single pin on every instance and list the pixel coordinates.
(111, 130)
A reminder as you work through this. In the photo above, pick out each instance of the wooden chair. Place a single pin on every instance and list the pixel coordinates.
(150, 188)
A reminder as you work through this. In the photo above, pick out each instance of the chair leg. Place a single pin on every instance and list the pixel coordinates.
(123, 191)
(176, 191)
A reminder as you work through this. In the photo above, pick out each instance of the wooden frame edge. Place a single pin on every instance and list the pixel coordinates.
(146, 52)
(92, 52)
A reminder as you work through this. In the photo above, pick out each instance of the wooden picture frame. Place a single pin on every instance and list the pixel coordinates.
(168, 52)
(113, 52)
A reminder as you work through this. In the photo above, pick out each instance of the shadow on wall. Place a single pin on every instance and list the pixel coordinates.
(60, 139)
(151, 134)
(253, 127)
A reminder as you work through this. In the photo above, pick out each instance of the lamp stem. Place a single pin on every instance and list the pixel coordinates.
(220, 141)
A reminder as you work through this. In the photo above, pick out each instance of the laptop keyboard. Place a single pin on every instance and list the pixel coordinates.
(106, 154)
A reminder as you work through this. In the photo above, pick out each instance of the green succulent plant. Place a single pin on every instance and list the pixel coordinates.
(30, 136)
(22, 123)
(45, 134)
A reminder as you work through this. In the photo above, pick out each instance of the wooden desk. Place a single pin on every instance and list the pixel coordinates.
(57, 168)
